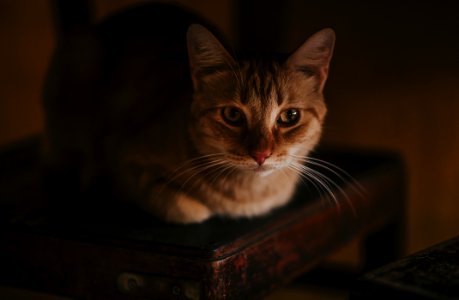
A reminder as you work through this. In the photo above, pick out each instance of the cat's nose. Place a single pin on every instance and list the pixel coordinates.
(260, 157)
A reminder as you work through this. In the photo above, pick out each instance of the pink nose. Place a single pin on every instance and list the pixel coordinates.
(260, 157)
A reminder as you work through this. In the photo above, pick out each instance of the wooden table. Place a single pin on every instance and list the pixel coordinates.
(119, 253)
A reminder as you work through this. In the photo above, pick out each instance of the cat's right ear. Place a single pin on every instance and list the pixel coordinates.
(313, 57)
(206, 54)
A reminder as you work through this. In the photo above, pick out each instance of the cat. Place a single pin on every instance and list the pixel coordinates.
(185, 129)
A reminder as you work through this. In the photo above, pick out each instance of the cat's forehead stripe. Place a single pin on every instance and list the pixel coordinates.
(262, 82)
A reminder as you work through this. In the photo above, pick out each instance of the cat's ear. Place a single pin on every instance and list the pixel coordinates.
(206, 54)
(313, 57)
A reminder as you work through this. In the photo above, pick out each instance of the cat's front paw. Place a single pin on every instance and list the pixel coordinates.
(188, 210)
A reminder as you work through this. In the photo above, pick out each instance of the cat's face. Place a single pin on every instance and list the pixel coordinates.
(257, 116)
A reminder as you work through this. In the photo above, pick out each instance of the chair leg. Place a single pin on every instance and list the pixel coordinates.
(385, 245)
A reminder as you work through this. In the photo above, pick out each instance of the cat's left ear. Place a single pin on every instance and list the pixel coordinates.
(313, 57)
(207, 55)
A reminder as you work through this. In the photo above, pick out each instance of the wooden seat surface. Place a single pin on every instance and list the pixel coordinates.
(118, 252)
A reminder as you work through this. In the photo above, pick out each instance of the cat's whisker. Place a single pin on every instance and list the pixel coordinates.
(341, 174)
(323, 163)
(221, 171)
(230, 169)
(202, 157)
(304, 176)
(332, 167)
(325, 186)
(201, 168)
(194, 169)
(305, 180)
(320, 180)
(338, 171)
(194, 163)
(333, 184)
(299, 172)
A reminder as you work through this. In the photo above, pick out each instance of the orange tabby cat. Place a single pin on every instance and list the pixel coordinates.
(232, 147)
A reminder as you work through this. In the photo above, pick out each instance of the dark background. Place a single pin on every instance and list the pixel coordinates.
(394, 81)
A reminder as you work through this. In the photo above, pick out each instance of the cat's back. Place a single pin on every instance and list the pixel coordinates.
(110, 80)
(132, 56)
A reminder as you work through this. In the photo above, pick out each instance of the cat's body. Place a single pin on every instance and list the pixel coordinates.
(221, 137)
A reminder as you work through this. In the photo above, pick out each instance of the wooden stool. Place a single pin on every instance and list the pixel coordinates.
(124, 254)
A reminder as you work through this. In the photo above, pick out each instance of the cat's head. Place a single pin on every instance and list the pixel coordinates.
(257, 115)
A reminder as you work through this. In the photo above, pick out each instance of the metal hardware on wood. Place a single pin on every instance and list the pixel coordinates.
(129, 282)
(176, 290)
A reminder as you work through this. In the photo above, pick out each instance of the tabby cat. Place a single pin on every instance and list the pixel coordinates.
(184, 128)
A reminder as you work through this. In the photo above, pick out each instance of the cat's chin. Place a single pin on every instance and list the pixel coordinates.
(263, 171)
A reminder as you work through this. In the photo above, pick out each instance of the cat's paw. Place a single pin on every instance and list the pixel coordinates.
(188, 210)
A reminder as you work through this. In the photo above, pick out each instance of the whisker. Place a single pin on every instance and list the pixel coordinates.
(230, 169)
(333, 184)
(341, 174)
(322, 182)
(220, 173)
(337, 170)
(201, 169)
(195, 163)
(304, 176)
(305, 180)
(195, 169)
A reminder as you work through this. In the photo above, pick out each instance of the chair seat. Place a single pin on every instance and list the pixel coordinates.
(124, 253)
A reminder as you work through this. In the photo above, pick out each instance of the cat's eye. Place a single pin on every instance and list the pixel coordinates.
(232, 115)
(288, 117)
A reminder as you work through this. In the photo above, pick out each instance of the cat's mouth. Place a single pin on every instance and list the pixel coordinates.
(250, 166)
(263, 170)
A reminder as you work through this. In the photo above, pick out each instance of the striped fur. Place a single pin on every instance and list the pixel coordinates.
(224, 175)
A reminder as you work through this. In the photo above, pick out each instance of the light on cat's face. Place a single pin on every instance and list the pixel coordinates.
(262, 129)
(257, 116)
(259, 135)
